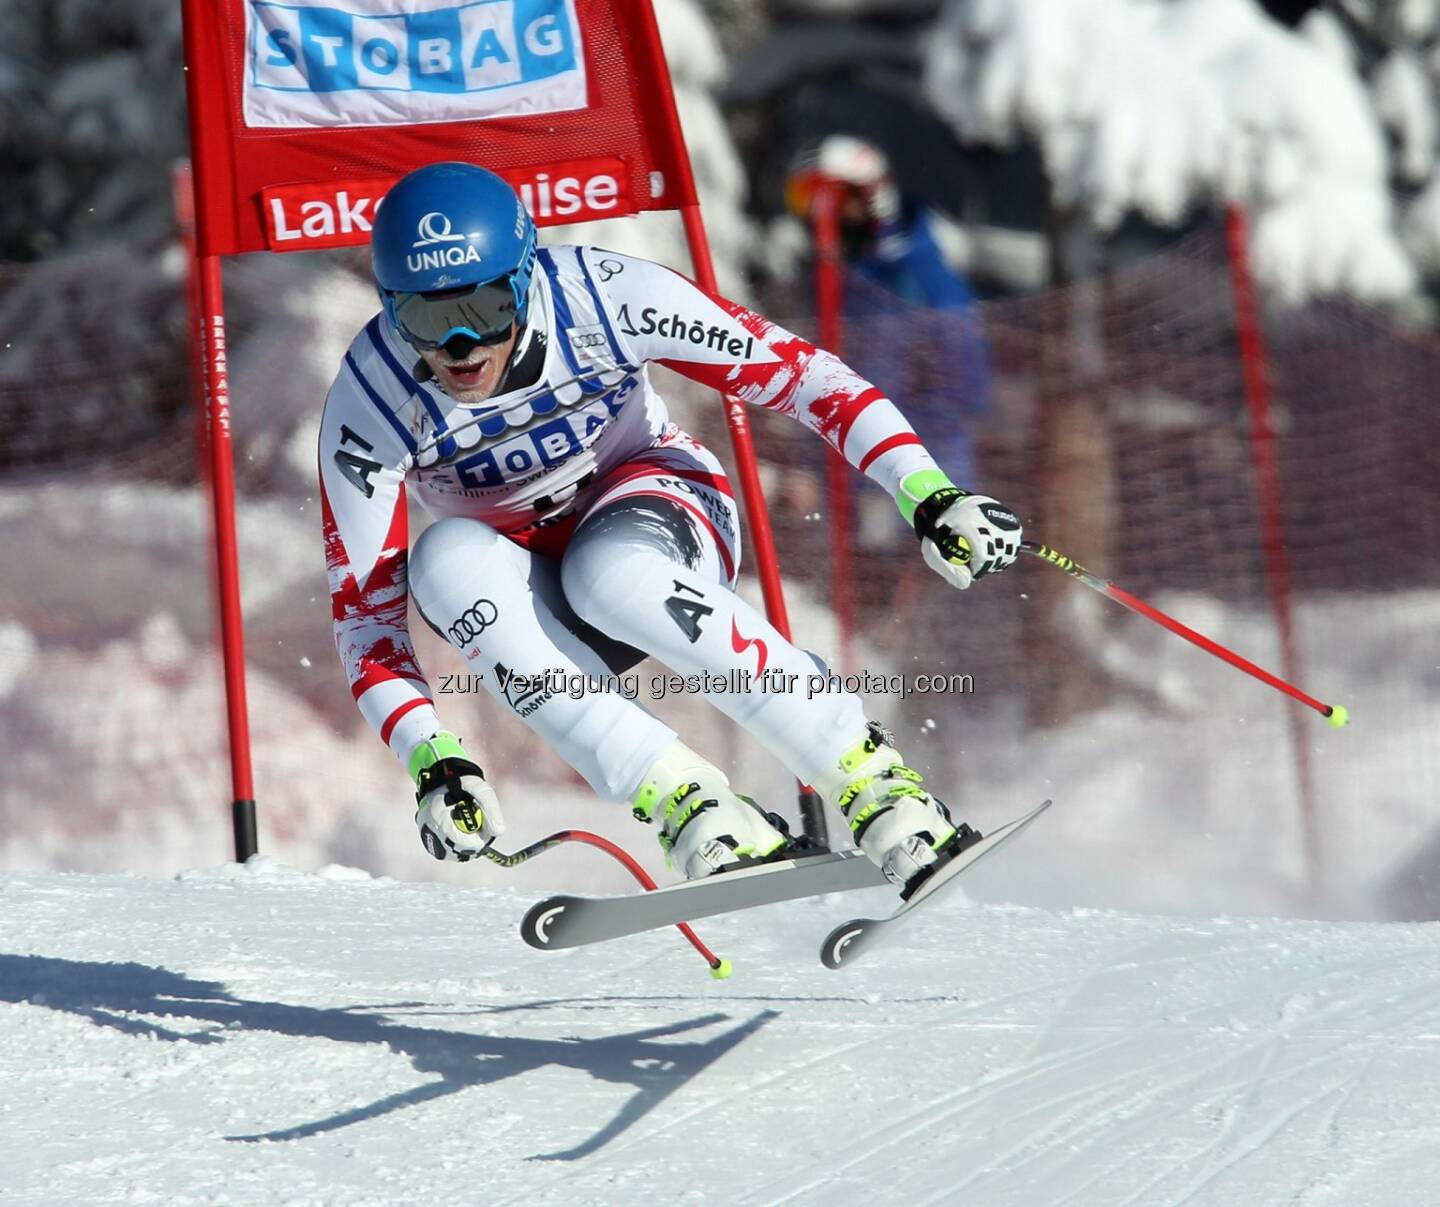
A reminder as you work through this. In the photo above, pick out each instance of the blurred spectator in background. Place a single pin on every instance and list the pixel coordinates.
(910, 318)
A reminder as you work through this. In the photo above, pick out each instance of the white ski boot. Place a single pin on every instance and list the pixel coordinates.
(703, 825)
(896, 822)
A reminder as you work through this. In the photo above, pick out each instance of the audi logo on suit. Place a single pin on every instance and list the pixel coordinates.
(478, 617)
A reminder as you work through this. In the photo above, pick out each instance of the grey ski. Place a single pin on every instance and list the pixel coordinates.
(566, 921)
(844, 945)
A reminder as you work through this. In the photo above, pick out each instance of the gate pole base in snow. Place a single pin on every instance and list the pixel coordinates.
(812, 817)
(243, 814)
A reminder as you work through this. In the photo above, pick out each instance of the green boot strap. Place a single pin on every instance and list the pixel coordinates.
(674, 810)
(872, 795)
(865, 796)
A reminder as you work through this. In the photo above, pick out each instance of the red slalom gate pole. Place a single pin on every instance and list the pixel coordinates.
(762, 536)
(227, 551)
(767, 564)
(1254, 370)
(720, 968)
(1336, 714)
(812, 811)
(812, 808)
(829, 286)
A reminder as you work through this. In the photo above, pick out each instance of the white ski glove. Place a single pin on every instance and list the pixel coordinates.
(962, 536)
(456, 810)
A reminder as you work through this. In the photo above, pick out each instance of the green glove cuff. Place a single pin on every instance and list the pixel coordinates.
(444, 745)
(916, 488)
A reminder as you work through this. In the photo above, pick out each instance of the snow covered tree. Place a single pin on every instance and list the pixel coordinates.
(1159, 108)
(1395, 47)
(92, 113)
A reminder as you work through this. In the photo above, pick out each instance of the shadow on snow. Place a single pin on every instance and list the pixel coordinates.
(108, 994)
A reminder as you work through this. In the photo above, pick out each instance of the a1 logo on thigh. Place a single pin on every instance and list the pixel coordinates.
(686, 612)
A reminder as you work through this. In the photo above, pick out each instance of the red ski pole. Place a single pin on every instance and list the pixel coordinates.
(1336, 714)
(720, 968)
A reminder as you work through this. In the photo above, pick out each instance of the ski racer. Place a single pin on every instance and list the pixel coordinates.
(577, 530)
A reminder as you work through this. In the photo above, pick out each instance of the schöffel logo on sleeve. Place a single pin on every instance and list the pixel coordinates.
(396, 62)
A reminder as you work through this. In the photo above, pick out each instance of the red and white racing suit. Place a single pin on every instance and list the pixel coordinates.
(531, 463)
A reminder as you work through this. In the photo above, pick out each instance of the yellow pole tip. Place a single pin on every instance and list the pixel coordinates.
(1339, 715)
(722, 970)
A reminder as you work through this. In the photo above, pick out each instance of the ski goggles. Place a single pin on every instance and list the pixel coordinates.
(483, 313)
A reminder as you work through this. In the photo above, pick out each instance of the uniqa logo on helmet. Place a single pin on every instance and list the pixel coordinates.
(452, 256)
(433, 228)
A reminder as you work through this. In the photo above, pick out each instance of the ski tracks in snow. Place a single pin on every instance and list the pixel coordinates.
(1119, 1098)
(1000, 1057)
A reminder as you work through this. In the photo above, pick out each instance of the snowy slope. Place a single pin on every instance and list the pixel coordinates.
(262, 1036)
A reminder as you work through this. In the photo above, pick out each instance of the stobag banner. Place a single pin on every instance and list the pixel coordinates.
(303, 112)
(398, 62)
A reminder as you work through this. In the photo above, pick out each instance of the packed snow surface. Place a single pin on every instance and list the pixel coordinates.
(259, 1035)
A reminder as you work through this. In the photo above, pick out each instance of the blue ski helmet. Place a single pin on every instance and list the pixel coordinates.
(453, 252)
